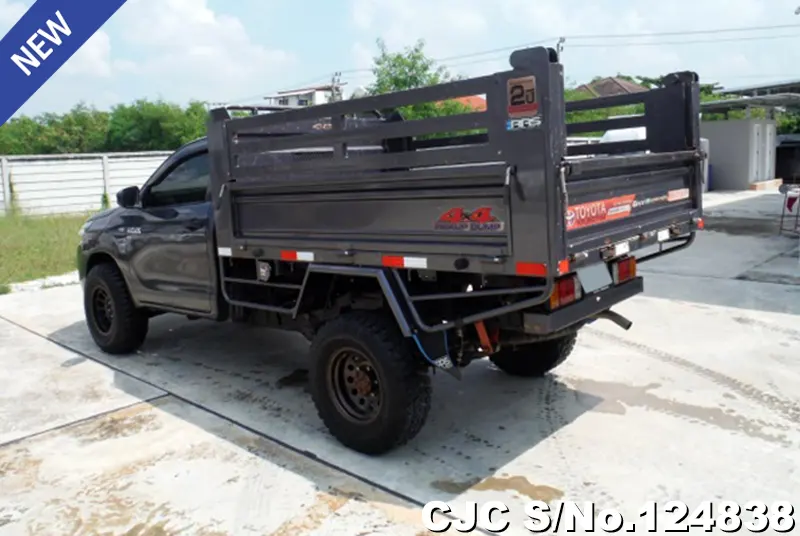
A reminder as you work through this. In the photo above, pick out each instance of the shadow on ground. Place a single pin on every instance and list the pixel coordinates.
(257, 379)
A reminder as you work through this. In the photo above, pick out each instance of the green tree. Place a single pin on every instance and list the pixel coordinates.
(409, 69)
(154, 126)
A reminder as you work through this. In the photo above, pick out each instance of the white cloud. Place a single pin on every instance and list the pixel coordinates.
(92, 59)
(172, 49)
(210, 55)
(10, 13)
(470, 26)
(447, 26)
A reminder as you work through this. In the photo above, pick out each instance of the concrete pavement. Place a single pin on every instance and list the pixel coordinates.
(209, 430)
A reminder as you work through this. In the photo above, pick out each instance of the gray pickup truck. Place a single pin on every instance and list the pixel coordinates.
(403, 247)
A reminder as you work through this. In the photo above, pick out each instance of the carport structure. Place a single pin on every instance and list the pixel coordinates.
(770, 103)
(744, 152)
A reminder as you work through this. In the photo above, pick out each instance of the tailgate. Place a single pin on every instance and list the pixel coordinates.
(631, 202)
(624, 195)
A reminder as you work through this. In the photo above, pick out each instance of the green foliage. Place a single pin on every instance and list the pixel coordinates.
(411, 68)
(37, 246)
(153, 126)
(157, 125)
(140, 126)
(81, 130)
(584, 116)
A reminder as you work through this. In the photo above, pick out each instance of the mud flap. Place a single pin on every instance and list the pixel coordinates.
(446, 364)
(435, 344)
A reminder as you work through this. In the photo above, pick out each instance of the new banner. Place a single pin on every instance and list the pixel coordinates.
(42, 41)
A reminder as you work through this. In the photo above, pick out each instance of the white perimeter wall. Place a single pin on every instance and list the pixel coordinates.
(63, 184)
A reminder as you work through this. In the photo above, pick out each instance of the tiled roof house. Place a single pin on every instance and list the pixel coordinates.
(606, 87)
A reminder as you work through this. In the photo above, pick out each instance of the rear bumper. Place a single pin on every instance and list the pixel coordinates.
(544, 323)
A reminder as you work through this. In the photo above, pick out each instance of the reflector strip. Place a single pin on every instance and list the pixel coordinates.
(534, 269)
(563, 267)
(396, 261)
(624, 270)
(301, 256)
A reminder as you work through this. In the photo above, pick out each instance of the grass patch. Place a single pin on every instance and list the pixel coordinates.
(32, 247)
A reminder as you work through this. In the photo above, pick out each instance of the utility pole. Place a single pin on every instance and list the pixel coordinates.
(560, 45)
(336, 87)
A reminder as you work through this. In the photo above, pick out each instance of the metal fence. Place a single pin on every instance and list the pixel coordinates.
(78, 183)
(70, 183)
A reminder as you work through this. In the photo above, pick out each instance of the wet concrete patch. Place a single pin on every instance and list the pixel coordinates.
(519, 485)
(782, 269)
(178, 470)
(720, 255)
(618, 397)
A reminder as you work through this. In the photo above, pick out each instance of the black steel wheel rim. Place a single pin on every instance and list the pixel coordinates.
(354, 385)
(102, 310)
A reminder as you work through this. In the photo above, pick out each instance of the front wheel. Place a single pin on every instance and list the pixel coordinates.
(535, 359)
(366, 382)
(115, 324)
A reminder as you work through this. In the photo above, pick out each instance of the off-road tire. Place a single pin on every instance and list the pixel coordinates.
(128, 328)
(404, 382)
(535, 359)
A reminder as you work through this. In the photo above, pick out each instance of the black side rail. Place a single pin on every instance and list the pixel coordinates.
(517, 142)
(671, 115)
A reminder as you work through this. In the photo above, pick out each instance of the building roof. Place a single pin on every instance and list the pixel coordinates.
(606, 87)
(785, 86)
(475, 101)
(780, 100)
(304, 90)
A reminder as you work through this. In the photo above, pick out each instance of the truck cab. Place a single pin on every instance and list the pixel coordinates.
(159, 236)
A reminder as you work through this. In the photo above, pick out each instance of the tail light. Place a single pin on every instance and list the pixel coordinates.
(623, 270)
(565, 291)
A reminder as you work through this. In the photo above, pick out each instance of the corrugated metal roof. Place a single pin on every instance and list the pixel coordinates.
(788, 100)
(784, 86)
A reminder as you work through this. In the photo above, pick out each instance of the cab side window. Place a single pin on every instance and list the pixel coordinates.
(185, 184)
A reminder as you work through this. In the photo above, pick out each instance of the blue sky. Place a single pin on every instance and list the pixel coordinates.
(224, 51)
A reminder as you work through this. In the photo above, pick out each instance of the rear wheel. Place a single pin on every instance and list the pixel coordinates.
(367, 384)
(535, 359)
(114, 322)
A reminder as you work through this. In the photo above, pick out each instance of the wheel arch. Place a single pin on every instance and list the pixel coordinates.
(320, 273)
(99, 257)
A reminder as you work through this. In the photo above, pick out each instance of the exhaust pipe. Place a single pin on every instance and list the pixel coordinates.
(617, 318)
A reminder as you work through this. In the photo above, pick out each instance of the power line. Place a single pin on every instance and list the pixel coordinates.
(685, 32)
(604, 45)
(689, 42)
(628, 35)
(566, 44)
(564, 40)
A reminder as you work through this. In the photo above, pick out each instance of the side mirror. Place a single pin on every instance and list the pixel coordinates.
(128, 197)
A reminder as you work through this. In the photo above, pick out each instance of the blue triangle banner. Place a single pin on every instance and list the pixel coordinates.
(46, 36)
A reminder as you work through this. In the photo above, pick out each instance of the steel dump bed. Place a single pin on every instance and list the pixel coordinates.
(492, 192)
